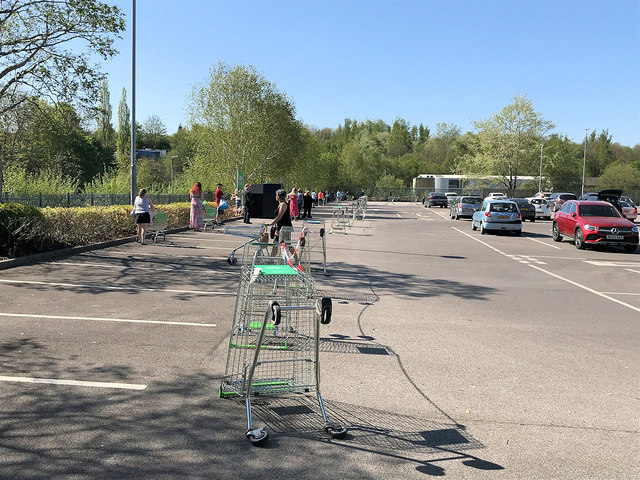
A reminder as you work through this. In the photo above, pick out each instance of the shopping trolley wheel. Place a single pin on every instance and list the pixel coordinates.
(325, 310)
(322, 232)
(276, 313)
(335, 430)
(257, 437)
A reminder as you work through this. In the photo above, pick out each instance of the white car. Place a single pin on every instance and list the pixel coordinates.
(496, 196)
(542, 208)
(450, 197)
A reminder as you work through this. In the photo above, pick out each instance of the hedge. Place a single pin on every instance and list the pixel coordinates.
(26, 230)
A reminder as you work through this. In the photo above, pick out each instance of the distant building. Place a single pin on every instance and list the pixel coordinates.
(425, 183)
(153, 154)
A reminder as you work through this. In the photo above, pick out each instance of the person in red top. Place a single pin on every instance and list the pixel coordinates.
(219, 194)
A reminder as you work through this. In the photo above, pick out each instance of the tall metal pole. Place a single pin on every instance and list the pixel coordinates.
(134, 180)
(540, 180)
(584, 161)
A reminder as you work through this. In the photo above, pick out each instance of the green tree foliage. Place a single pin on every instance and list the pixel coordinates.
(247, 124)
(40, 137)
(105, 132)
(153, 133)
(561, 164)
(400, 141)
(617, 175)
(508, 141)
(124, 131)
(34, 62)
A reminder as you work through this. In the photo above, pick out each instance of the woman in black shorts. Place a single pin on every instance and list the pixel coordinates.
(283, 213)
(142, 208)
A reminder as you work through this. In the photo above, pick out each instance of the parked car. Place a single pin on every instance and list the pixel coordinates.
(497, 215)
(630, 212)
(527, 210)
(593, 222)
(542, 208)
(464, 206)
(589, 196)
(451, 196)
(495, 196)
(557, 199)
(435, 199)
(628, 200)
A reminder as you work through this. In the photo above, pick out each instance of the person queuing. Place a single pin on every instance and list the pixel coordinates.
(293, 204)
(219, 196)
(196, 216)
(142, 207)
(307, 204)
(246, 204)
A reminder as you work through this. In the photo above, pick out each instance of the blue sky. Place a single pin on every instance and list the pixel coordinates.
(426, 61)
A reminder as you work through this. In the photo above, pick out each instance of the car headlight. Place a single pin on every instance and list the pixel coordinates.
(634, 229)
(591, 228)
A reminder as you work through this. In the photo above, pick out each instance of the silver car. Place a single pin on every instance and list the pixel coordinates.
(496, 216)
(464, 206)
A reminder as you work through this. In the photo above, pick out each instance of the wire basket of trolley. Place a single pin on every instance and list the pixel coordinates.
(274, 341)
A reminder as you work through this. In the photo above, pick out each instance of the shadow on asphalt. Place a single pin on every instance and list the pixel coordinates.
(180, 429)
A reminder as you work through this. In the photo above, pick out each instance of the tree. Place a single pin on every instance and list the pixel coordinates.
(152, 131)
(508, 141)
(33, 62)
(624, 177)
(103, 117)
(400, 141)
(124, 130)
(247, 124)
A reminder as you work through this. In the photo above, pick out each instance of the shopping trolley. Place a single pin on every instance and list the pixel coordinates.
(274, 341)
(314, 253)
(252, 233)
(158, 226)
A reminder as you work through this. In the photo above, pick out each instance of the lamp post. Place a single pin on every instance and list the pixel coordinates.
(584, 160)
(172, 159)
(134, 179)
(540, 179)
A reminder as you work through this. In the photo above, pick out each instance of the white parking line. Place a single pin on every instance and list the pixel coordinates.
(100, 319)
(579, 285)
(631, 270)
(78, 383)
(603, 295)
(104, 287)
(621, 293)
(543, 243)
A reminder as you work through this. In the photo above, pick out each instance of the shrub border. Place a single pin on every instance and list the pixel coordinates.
(67, 252)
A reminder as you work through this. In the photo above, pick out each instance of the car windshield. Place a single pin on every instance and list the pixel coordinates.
(503, 207)
(471, 200)
(598, 211)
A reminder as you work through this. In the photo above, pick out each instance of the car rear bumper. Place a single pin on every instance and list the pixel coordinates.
(503, 226)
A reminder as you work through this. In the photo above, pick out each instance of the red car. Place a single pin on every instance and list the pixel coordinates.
(591, 222)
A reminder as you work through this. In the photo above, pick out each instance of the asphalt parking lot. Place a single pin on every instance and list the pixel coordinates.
(450, 354)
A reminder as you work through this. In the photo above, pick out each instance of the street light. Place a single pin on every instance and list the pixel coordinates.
(172, 158)
(134, 179)
(584, 161)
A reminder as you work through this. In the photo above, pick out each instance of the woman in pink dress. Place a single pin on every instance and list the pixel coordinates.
(293, 204)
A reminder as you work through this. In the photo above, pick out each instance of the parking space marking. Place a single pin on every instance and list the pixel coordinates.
(101, 319)
(631, 270)
(611, 263)
(104, 287)
(78, 383)
(621, 293)
(584, 287)
(543, 243)
(579, 285)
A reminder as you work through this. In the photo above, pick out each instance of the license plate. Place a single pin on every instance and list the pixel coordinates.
(615, 237)
(504, 217)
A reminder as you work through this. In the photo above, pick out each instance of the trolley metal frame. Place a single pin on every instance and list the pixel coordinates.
(274, 342)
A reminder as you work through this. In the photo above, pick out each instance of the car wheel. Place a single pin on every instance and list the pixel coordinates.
(556, 233)
(517, 232)
(473, 226)
(630, 248)
(482, 230)
(533, 219)
(579, 240)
